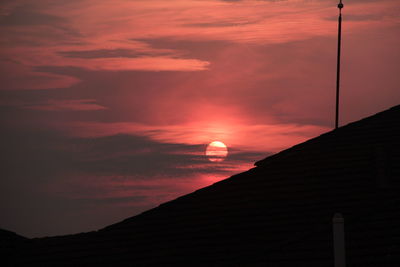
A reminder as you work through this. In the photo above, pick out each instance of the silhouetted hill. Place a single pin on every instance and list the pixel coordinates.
(7, 236)
(276, 214)
(9, 244)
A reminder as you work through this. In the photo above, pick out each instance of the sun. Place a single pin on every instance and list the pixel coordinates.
(216, 151)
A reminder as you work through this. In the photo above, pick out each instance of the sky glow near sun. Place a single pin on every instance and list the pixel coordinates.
(108, 105)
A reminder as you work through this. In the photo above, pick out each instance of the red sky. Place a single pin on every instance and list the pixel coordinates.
(107, 106)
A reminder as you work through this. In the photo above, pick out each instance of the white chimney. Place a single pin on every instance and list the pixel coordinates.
(338, 240)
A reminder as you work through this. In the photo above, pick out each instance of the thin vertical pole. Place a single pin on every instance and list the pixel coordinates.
(340, 6)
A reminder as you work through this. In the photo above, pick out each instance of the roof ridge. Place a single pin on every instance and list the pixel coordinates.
(340, 130)
(262, 163)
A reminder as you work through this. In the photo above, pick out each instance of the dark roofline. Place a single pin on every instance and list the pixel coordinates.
(268, 161)
(339, 131)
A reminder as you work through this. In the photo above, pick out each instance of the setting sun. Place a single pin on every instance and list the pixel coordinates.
(216, 151)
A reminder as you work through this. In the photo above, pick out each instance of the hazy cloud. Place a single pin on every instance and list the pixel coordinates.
(218, 24)
(25, 15)
(84, 173)
(70, 104)
(110, 53)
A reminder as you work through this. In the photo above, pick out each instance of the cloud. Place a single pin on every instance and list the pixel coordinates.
(111, 53)
(28, 24)
(40, 35)
(272, 84)
(95, 176)
(272, 137)
(16, 76)
(218, 24)
(37, 57)
(23, 15)
(71, 104)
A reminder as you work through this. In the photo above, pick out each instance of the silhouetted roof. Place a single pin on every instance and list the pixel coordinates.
(276, 214)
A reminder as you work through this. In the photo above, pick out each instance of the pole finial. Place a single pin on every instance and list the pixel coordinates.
(340, 5)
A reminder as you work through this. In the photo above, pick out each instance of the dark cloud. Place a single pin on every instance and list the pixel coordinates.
(25, 16)
(131, 95)
(218, 24)
(50, 178)
(141, 96)
(110, 53)
(58, 30)
(302, 69)
(45, 155)
(110, 200)
(254, 95)
(128, 155)
(200, 49)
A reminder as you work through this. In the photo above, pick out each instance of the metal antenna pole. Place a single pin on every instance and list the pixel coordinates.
(340, 6)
